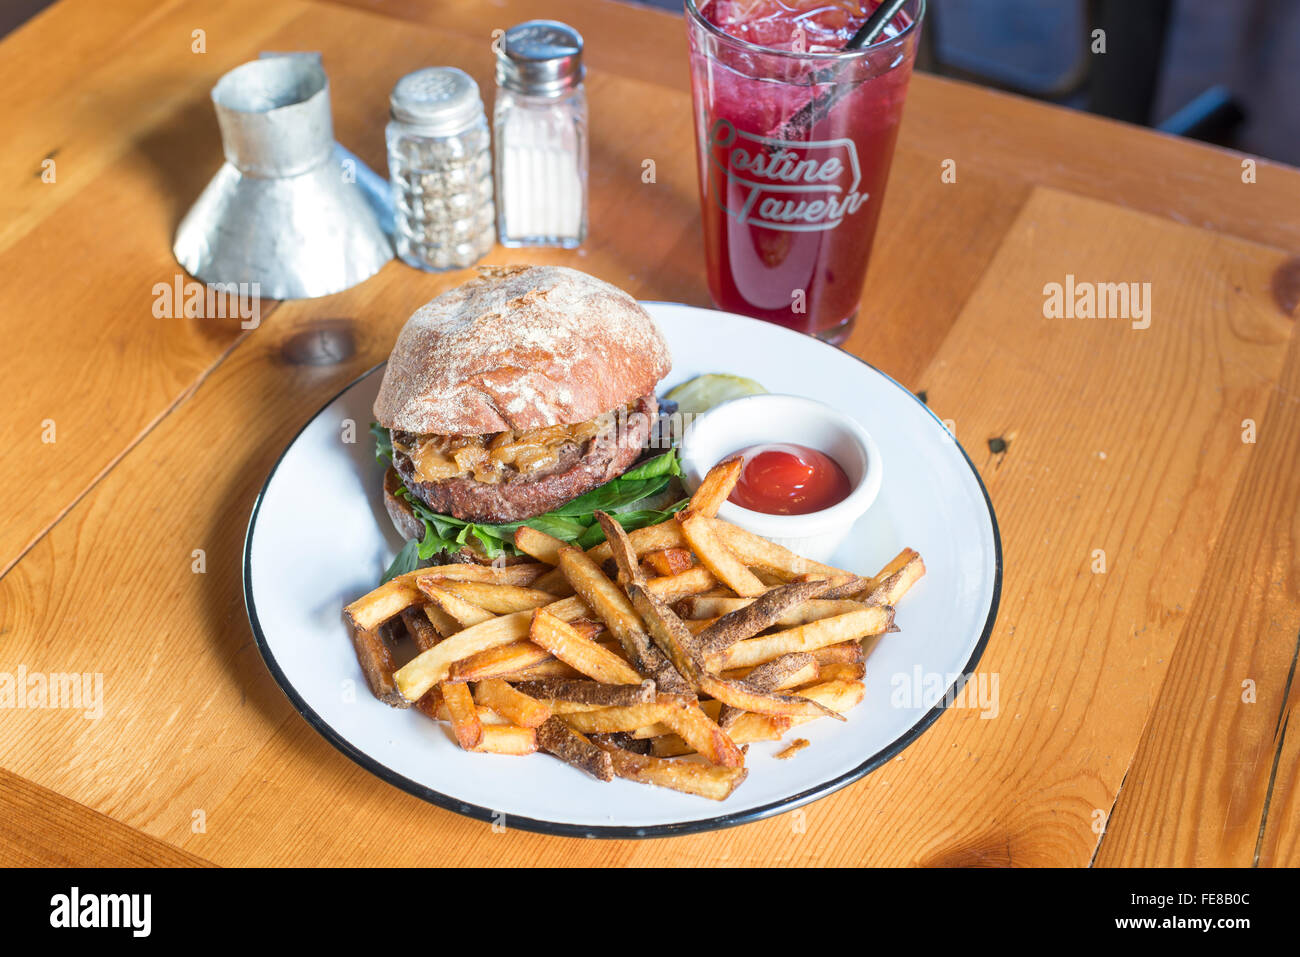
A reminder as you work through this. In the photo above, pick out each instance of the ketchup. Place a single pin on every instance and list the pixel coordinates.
(785, 479)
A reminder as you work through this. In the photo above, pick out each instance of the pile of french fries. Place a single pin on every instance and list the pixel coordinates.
(656, 656)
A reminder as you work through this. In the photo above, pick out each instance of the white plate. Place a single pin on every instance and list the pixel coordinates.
(319, 537)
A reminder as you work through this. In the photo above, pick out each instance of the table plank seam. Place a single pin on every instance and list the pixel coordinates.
(63, 816)
(1279, 736)
(1101, 838)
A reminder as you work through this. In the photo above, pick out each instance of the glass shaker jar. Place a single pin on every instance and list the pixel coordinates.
(540, 120)
(440, 166)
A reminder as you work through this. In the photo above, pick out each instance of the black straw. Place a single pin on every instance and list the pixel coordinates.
(876, 23)
(799, 126)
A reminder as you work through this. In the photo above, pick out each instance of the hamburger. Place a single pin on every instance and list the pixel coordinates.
(525, 396)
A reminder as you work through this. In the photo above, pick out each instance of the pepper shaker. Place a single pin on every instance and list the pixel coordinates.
(440, 165)
(540, 121)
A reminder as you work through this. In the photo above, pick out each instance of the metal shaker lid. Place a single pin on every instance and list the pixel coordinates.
(440, 100)
(540, 57)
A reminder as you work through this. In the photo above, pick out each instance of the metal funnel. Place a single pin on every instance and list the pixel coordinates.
(285, 210)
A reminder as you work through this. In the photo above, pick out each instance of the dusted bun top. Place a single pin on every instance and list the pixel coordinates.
(520, 347)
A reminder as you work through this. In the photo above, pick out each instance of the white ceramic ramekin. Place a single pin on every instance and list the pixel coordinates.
(762, 419)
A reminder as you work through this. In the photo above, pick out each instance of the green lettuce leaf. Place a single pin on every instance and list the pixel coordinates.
(405, 561)
(574, 521)
(383, 444)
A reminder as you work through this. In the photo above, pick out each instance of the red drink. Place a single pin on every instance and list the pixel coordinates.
(794, 140)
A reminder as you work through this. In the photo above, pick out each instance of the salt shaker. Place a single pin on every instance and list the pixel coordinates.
(540, 121)
(440, 165)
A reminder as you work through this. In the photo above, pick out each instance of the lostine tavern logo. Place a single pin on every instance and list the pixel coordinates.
(785, 185)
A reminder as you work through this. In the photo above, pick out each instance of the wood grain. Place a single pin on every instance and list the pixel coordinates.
(87, 362)
(1212, 783)
(1054, 746)
(1117, 439)
(43, 829)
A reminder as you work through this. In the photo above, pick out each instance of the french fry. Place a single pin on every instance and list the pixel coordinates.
(577, 707)
(748, 621)
(507, 739)
(846, 652)
(770, 580)
(677, 715)
(647, 731)
(519, 657)
(715, 488)
(547, 669)
(522, 574)
(904, 571)
(648, 539)
(669, 745)
(797, 745)
(443, 622)
(621, 550)
(700, 731)
(420, 628)
(376, 663)
(555, 583)
(760, 727)
(669, 561)
(674, 588)
(503, 660)
(570, 746)
(430, 667)
(758, 552)
(610, 604)
(620, 740)
(590, 692)
(788, 671)
(692, 724)
(870, 620)
(697, 625)
(737, 694)
(714, 555)
(498, 599)
(464, 613)
(748, 729)
(560, 639)
(543, 547)
(701, 606)
(839, 696)
(843, 671)
(589, 628)
(515, 706)
(650, 659)
(465, 723)
(387, 601)
(710, 781)
(841, 586)
(668, 632)
(611, 720)
(433, 705)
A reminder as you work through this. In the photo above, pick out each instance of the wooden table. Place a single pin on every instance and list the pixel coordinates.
(1143, 708)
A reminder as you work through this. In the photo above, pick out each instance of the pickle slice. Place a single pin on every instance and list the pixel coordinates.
(704, 392)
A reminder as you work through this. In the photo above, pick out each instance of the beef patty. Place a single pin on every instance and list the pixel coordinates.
(525, 495)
